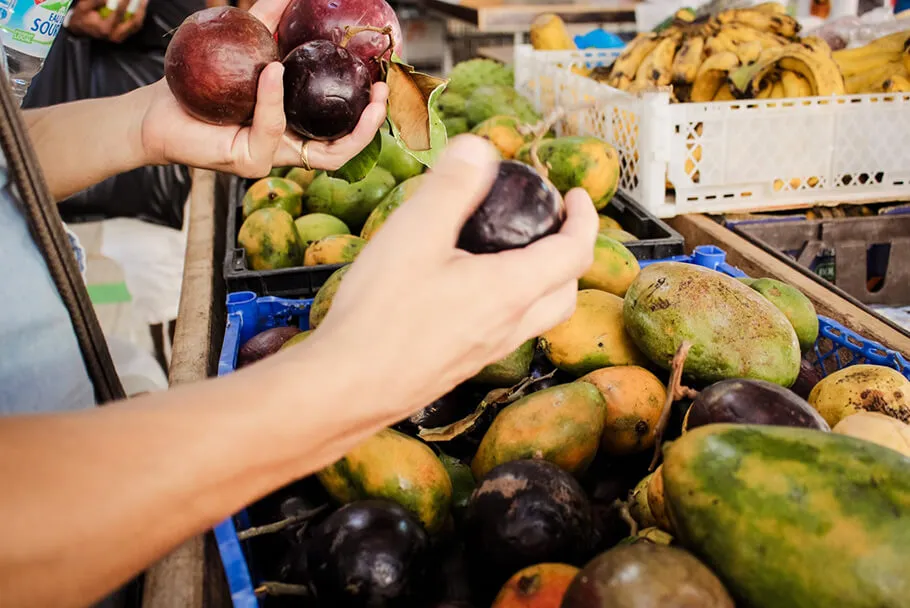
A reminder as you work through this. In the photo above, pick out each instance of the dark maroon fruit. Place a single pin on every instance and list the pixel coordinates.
(368, 553)
(526, 512)
(806, 380)
(451, 407)
(306, 20)
(326, 89)
(520, 208)
(213, 63)
(751, 402)
(264, 344)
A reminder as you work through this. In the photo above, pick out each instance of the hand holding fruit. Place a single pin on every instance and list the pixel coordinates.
(249, 86)
(431, 315)
(87, 19)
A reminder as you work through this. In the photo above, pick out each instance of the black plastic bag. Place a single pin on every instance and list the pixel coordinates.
(81, 68)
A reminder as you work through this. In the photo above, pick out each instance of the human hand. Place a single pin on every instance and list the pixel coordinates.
(86, 20)
(421, 316)
(170, 135)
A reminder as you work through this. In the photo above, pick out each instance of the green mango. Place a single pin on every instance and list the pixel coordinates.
(511, 369)
(273, 192)
(396, 161)
(349, 202)
(794, 304)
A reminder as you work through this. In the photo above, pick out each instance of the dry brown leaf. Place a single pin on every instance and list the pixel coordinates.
(409, 96)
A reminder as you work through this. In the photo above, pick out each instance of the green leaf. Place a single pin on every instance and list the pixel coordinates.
(414, 121)
(357, 168)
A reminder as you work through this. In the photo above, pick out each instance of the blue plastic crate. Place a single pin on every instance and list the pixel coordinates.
(836, 348)
(247, 315)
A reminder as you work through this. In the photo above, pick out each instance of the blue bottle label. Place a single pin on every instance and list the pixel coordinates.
(30, 26)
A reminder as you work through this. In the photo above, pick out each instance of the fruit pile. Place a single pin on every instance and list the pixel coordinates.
(882, 66)
(536, 483)
(744, 53)
(276, 233)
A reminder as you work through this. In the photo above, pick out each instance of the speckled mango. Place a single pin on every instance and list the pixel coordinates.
(511, 369)
(618, 235)
(593, 337)
(794, 304)
(733, 331)
(334, 249)
(613, 270)
(392, 201)
(325, 295)
(579, 162)
(270, 240)
(635, 399)
(540, 586)
(608, 223)
(502, 132)
(273, 192)
(394, 466)
(862, 388)
(562, 424)
(793, 517)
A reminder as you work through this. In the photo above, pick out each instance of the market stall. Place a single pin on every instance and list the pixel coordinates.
(704, 379)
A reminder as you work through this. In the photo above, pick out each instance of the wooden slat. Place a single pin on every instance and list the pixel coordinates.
(504, 16)
(503, 54)
(702, 230)
(179, 578)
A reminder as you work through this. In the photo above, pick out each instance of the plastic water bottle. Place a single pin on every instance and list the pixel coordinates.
(28, 29)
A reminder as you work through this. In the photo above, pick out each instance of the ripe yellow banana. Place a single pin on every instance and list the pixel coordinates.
(811, 58)
(783, 25)
(777, 90)
(870, 58)
(549, 33)
(712, 74)
(688, 58)
(794, 85)
(747, 81)
(765, 91)
(720, 43)
(896, 84)
(655, 68)
(724, 94)
(890, 44)
(905, 58)
(871, 80)
(749, 52)
(773, 8)
(626, 65)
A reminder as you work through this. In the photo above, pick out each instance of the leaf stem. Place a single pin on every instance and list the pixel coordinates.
(276, 588)
(351, 31)
(278, 526)
(675, 391)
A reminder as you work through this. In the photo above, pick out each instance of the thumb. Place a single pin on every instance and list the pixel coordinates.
(454, 188)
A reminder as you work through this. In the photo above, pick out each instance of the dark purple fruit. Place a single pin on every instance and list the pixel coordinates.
(751, 402)
(326, 89)
(451, 407)
(806, 380)
(213, 63)
(306, 20)
(367, 553)
(520, 208)
(264, 344)
(526, 512)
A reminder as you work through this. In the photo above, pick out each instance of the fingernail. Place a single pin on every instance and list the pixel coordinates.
(472, 150)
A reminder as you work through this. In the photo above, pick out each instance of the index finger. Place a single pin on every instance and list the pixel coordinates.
(269, 12)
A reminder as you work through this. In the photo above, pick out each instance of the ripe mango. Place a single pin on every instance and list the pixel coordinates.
(390, 203)
(593, 337)
(314, 226)
(325, 295)
(302, 177)
(296, 339)
(794, 304)
(511, 369)
(502, 132)
(270, 239)
(273, 192)
(561, 424)
(335, 249)
(349, 202)
(579, 162)
(608, 223)
(877, 428)
(862, 388)
(618, 235)
(613, 270)
(394, 159)
(734, 332)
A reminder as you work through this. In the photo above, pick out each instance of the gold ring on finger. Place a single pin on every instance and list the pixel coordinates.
(305, 155)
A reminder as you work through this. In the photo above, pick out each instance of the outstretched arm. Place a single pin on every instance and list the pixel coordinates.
(91, 498)
(82, 143)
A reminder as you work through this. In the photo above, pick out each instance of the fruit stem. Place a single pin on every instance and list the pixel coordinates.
(675, 391)
(351, 31)
(275, 588)
(278, 526)
(626, 515)
(543, 127)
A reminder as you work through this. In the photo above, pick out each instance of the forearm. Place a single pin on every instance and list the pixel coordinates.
(84, 142)
(91, 499)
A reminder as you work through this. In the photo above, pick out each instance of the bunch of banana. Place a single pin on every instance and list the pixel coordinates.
(694, 57)
(808, 65)
(883, 65)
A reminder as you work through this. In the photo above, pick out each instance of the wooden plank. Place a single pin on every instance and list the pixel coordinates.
(510, 16)
(702, 230)
(179, 578)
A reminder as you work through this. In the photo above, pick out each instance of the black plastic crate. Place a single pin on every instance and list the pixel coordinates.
(656, 240)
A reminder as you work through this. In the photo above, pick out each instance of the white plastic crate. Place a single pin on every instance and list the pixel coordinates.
(745, 155)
